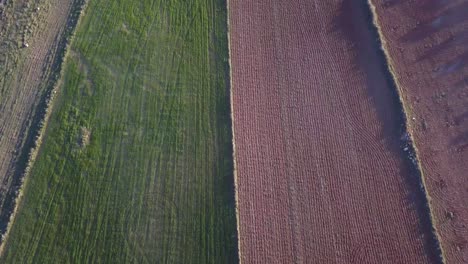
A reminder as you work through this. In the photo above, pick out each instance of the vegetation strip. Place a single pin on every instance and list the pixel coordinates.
(136, 160)
(408, 142)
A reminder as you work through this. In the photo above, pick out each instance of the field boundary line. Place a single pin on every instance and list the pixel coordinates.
(406, 109)
(231, 100)
(43, 112)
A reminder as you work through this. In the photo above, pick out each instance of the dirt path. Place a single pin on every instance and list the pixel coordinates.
(429, 50)
(26, 85)
(321, 170)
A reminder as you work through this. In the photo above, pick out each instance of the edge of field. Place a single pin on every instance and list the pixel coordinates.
(236, 195)
(406, 113)
(42, 114)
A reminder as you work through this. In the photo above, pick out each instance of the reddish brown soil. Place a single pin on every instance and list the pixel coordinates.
(320, 174)
(429, 47)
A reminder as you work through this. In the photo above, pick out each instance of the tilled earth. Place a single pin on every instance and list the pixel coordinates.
(321, 175)
(429, 49)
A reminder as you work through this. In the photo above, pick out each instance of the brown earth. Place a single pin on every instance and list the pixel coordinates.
(429, 50)
(24, 81)
(320, 174)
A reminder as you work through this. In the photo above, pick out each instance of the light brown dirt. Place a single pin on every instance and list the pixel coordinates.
(429, 49)
(320, 175)
(26, 85)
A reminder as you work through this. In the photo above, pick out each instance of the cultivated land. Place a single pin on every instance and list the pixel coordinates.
(429, 50)
(321, 171)
(136, 162)
(24, 78)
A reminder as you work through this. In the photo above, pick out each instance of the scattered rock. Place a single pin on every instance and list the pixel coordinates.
(85, 137)
(424, 125)
(450, 215)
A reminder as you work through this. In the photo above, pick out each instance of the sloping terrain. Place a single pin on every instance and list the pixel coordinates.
(321, 169)
(429, 52)
(31, 43)
(136, 161)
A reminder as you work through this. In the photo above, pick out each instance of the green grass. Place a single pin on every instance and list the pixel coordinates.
(154, 184)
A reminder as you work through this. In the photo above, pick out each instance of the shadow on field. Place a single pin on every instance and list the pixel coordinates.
(462, 118)
(426, 5)
(453, 66)
(460, 143)
(441, 16)
(433, 5)
(442, 20)
(452, 42)
(434, 22)
(391, 3)
(462, 84)
(354, 22)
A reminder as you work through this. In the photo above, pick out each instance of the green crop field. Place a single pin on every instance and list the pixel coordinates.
(136, 163)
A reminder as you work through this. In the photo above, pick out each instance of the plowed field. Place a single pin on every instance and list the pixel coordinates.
(321, 175)
(429, 49)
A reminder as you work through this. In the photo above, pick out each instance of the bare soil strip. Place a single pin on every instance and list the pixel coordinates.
(429, 53)
(25, 104)
(236, 193)
(322, 172)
